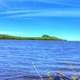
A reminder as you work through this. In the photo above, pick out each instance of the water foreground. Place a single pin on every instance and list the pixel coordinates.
(28, 59)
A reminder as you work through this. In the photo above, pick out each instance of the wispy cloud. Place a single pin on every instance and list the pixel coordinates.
(61, 2)
(19, 11)
(17, 4)
(3, 5)
(43, 13)
(16, 13)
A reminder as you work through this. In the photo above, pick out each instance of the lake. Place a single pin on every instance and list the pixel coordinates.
(22, 58)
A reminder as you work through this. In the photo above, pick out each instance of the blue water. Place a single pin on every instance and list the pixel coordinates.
(37, 57)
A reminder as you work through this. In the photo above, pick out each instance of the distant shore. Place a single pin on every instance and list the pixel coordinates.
(44, 37)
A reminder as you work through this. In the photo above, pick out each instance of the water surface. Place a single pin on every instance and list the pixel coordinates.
(20, 58)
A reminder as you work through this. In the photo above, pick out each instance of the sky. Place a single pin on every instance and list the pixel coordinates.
(59, 18)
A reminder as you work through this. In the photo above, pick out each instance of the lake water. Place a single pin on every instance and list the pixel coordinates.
(20, 58)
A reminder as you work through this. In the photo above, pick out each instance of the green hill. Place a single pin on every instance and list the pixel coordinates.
(44, 37)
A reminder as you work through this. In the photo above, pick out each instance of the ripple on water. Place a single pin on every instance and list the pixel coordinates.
(16, 57)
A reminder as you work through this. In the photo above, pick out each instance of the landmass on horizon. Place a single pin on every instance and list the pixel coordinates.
(43, 37)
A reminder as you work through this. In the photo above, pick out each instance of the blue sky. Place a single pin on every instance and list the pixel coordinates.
(37, 17)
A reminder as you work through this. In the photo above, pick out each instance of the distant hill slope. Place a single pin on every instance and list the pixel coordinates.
(44, 37)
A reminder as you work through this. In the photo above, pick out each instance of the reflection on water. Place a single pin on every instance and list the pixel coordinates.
(17, 58)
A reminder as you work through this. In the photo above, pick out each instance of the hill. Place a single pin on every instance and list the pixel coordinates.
(44, 37)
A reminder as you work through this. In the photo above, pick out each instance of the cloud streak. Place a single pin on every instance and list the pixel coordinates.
(3, 4)
(19, 11)
(51, 12)
(43, 13)
(18, 4)
(60, 2)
